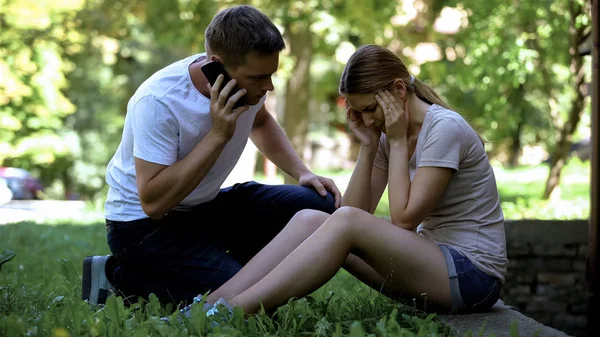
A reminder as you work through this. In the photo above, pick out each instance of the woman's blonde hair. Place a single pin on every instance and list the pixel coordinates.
(372, 68)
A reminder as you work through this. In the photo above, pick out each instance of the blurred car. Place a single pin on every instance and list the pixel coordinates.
(5, 192)
(22, 183)
(582, 149)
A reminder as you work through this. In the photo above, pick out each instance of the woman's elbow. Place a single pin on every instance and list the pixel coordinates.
(404, 223)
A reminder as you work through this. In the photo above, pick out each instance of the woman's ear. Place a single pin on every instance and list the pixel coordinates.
(400, 88)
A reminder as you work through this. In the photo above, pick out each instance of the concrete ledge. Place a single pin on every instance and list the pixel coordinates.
(498, 323)
(547, 231)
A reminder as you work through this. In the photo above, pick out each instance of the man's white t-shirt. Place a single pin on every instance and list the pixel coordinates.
(166, 118)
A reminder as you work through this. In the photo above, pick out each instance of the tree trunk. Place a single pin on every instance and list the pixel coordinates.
(297, 95)
(269, 168)
(245, 167)
(593, 262)
(515, 146)
(515, 98)
(561, 150)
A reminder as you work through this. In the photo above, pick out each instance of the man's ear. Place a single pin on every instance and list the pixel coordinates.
(216, 58)
(400, 88)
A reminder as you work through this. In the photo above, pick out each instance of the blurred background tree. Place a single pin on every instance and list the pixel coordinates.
(68, 68)
(517, 72)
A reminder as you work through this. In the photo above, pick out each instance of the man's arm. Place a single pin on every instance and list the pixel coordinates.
(162, 187)
(271, 140)
(163, 182)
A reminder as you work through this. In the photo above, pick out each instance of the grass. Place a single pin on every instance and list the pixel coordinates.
(40, 288)
(40, 293)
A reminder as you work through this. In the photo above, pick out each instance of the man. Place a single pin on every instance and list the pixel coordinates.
(171, 228)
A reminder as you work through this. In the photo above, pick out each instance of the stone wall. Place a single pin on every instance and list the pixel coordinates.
(546, 272)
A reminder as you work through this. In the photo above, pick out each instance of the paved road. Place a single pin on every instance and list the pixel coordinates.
(45, 210)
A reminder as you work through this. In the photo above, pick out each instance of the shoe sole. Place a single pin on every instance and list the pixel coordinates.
(93, 282)
(86, 280)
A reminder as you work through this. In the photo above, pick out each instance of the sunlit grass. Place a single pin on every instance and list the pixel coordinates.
(521, 191)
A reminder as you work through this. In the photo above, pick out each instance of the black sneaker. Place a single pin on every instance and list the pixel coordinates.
(95, 287)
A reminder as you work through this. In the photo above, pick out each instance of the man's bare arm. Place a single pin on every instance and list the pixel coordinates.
(271, 141)
(162, 187)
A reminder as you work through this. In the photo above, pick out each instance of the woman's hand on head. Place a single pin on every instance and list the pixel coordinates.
(396, 115)
(368, 136)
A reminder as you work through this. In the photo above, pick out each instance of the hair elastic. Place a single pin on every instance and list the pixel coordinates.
(412, 80)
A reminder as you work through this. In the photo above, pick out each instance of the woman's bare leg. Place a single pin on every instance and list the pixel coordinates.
(415, 265)
(362, 271)
(300, 227)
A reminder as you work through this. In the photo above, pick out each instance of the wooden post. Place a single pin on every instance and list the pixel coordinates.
(593, 266)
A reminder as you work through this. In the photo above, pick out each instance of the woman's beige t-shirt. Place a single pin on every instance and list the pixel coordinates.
(468, 216)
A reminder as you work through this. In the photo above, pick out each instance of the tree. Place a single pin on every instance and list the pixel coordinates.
(123, 44)
(579, 24)
(313, 30)
(516, 81)
(34, 36)
(67, 71)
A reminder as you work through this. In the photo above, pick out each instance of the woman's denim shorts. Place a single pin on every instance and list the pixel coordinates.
(471, 289)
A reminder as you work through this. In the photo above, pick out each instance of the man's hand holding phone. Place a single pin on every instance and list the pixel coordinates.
(223, 115)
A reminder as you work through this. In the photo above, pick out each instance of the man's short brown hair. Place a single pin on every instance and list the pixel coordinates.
(234, 32)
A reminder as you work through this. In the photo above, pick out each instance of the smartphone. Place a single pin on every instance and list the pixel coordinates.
(212, 70)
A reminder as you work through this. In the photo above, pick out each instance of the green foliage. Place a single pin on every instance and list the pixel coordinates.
(67, 71)
(68, 68)
(508, 71)
(34, 36)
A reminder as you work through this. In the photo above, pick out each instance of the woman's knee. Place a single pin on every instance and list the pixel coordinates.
(349, 212)
(347, 218)
(310, 217)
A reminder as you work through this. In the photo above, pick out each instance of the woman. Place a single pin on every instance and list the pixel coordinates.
(446, 235)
